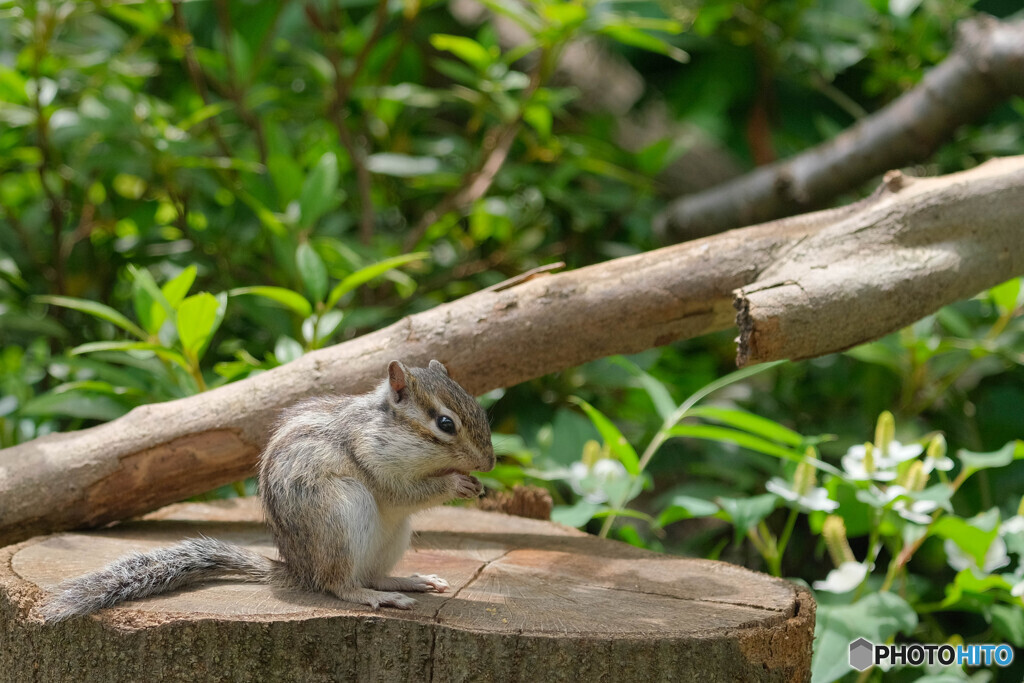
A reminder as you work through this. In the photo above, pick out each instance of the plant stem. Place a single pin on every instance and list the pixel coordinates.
(663, 434)
(787, 532)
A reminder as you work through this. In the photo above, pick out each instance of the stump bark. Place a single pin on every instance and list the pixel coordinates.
(529, 601)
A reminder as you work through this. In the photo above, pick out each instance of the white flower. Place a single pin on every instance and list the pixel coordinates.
(1018, 590)
(843, 579)
(816, 498)
(591, 482)
(1013, 525)
(995, 557)
(884, 465)
(856, 470)
(943, 464)
(917, 511)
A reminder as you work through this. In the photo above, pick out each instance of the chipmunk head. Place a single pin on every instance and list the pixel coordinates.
(443, 413)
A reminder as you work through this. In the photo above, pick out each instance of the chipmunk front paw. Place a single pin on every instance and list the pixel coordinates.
(467, 486)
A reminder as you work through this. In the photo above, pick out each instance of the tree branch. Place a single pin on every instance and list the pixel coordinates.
(918, 245)
(354, 146)
(913, 247)
(496, 146)
(234, 88)
(195, 73)
(986, 67)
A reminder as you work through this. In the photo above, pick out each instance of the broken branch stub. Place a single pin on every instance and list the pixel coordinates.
(926, 243)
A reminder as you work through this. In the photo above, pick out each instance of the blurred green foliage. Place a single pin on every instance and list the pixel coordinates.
(194, 192)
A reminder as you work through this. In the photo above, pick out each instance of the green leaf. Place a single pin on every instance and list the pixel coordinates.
(287, 349)
(176, 288)
(745, 513)
(563, 15)
(320, 191)
(741, 439)
(151, 305)
(198, 318)
(731, 378)
(150, 314)
(876, 617)
(686, 507)
(975, 462)
(97, 310)
(286, 173)
(972, 540)
(204, 113)
(80, 404)
(626, 512)
(1005, 296)
(402, 165)
(466, 49)
(660, 397)
(971, 582)
(514, 11)
(540, 119)
(627, 35)
(286, 297)
(1009, 623)
(748, 422)
(575, 515)
(620, 448)
(367, 273)
(267, 217)
(156, 349)
(312, 271)
(326, 325)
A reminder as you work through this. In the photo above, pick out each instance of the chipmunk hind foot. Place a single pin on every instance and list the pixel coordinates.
(374, 598)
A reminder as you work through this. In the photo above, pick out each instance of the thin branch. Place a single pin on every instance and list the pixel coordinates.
(58, 219)
(196, 75)
(234, 88)
(986, 67)
(496, 146)
(354, 146)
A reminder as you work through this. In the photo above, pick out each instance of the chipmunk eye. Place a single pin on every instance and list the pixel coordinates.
(446, 424)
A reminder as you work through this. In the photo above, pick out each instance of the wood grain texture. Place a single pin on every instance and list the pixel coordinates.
(529, 601)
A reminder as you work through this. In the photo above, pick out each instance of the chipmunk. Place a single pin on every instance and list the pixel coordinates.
(339, 479)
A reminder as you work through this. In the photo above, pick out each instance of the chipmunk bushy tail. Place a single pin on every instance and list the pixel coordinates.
(141, 574)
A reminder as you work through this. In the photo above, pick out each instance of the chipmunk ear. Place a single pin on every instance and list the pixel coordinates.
(398, 379)
(437, 365)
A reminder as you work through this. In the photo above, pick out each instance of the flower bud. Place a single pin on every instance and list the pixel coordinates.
(834, 533)
(885, 431)
(804, 478)
(914, 478)
(869, 458)
(937, 447)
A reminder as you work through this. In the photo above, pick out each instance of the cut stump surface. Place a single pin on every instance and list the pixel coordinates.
(529, 601)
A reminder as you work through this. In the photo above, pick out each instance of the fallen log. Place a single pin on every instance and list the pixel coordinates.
(937, 239)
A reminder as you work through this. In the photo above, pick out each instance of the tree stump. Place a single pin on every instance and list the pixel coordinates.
(529, 601)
